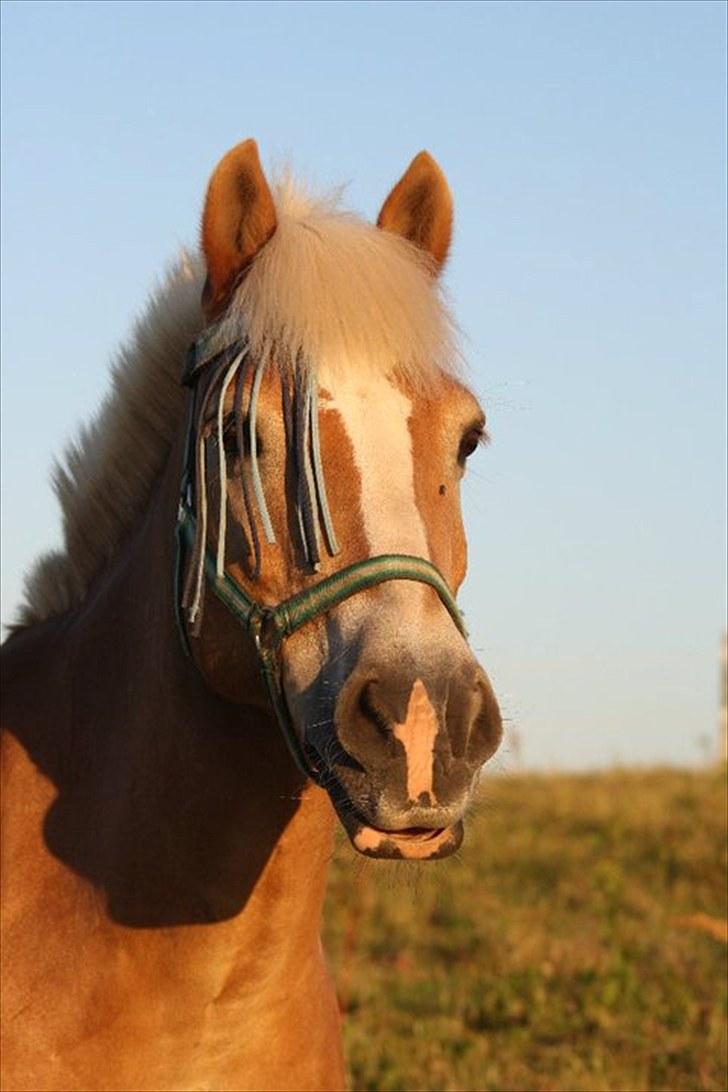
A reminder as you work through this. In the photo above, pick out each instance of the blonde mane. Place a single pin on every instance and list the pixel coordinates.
(327, 286)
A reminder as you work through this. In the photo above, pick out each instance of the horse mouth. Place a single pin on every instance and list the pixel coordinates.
(416, 843)
(411, 843)
(406, 843)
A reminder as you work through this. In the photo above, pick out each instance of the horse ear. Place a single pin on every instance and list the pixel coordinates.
(420, 208)
(239, 218)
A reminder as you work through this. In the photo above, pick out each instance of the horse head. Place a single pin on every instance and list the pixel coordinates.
(329, 433)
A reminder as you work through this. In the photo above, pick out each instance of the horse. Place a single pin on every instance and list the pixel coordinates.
(251, 630)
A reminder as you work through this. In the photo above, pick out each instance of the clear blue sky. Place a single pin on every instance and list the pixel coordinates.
(585, 146)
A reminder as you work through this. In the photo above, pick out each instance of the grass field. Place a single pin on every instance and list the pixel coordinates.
(559, 950)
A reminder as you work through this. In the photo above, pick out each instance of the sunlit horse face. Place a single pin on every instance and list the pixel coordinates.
(383, 689)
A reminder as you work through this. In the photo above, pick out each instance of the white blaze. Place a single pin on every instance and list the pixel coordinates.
(376, 418)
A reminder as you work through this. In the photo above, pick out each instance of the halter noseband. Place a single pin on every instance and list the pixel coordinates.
(270, 625)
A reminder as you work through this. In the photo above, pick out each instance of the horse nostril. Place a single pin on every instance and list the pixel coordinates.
(364, 722)
(472, 718)
(373, 710)
(486, 728)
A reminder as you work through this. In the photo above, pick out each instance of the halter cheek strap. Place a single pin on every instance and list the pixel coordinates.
(269, 626)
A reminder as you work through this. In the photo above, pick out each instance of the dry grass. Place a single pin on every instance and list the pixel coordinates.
(574, 943)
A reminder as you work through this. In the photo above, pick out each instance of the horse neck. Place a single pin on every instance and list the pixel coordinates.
(169, 798)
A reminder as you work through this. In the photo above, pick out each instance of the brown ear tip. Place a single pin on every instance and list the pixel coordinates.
(244, 152)
(425, 161)
(241, 159)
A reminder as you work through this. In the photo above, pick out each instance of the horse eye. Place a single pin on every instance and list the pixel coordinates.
(230, 438)
(470, 441)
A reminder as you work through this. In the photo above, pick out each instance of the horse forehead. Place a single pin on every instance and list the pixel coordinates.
(375, 413)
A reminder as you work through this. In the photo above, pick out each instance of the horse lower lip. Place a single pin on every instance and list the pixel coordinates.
(410, 843)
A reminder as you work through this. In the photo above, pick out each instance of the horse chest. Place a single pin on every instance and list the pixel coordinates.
(96, 1019)
(91, 1004)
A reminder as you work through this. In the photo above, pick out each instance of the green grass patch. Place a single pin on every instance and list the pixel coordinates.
(549, 954)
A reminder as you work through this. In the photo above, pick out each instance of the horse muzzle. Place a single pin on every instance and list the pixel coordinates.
(406, 754)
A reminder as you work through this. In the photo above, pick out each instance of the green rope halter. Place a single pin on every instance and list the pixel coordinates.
(268, 625)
